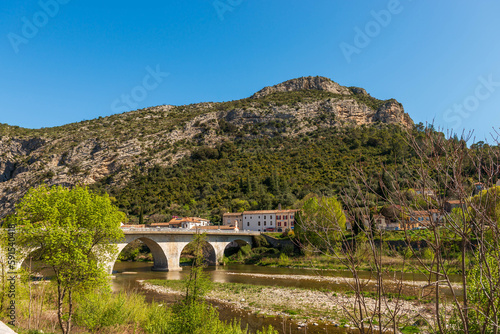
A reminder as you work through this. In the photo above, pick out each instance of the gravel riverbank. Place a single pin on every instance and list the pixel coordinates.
(305, 304)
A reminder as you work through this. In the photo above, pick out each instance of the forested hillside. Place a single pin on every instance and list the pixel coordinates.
(262, 173)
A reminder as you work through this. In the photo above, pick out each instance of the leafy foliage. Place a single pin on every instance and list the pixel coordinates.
(320, 222)
(74, 229)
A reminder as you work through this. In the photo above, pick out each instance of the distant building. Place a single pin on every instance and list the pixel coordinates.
(233, 219)
(379, 221)
(183, 222)
(426, 192)
(285, 219)
(259, 220)
(422, 219)
(452, 204)
(263, 220)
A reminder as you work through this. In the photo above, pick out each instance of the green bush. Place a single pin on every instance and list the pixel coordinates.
(102, 308)
(427, 253)
(246, 250)
(284, 260)
(260, 241)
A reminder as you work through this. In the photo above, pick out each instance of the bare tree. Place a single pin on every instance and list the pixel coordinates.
(451, 193)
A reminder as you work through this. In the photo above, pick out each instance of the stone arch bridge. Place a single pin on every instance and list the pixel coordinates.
(166, 244)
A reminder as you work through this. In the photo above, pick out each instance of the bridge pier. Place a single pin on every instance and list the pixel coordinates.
(219, 247)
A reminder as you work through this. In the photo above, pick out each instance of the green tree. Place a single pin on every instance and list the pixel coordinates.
(75, 230)
(198, 283)
(320, 222)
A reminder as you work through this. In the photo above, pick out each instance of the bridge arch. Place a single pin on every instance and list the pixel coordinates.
(234, 246)
(160, 260)
(209, 253)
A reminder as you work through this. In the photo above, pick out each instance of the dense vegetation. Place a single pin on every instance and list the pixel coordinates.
(261, 173)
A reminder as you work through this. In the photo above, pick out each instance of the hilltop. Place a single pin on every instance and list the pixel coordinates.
(111, 153)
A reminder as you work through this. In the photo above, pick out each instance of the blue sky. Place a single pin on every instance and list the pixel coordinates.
(64, 61)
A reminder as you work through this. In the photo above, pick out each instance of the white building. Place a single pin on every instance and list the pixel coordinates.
(263, 221)
(259, 220)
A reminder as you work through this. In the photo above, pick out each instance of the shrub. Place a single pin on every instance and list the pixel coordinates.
(428, 253)
(260, 241)
(284, 260)
(102, 308)
(246, 250)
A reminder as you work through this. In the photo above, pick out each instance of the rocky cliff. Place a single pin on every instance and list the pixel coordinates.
(93, 150)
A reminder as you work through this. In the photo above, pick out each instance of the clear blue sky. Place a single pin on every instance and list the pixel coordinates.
(64, 61)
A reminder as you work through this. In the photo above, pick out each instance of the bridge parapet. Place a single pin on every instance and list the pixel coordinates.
(168, 230)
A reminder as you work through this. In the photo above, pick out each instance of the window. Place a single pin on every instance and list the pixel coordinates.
(284, 224)
(279, 223)
(259, 223)
(248, 223)
(264, 217)
(291, 216)
(265, 224)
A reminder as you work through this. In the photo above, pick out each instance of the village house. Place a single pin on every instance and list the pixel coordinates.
(378, 221)
(452, 204)
(285, 219)
(183, 222)
(421, 219)
(262, 221)
(426, 192)
(233, 219)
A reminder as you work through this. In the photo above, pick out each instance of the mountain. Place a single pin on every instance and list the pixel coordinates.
(111, 153)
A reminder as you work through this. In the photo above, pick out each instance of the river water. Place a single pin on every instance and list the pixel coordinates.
(128, 274)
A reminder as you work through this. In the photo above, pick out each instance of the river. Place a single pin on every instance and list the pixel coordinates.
(127, 275)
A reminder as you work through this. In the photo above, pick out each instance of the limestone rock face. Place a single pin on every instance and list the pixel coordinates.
(111, 148)
(305, 83)
(392, 112)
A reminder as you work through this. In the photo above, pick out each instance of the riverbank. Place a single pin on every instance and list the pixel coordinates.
(308, 306)
(268, 257)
